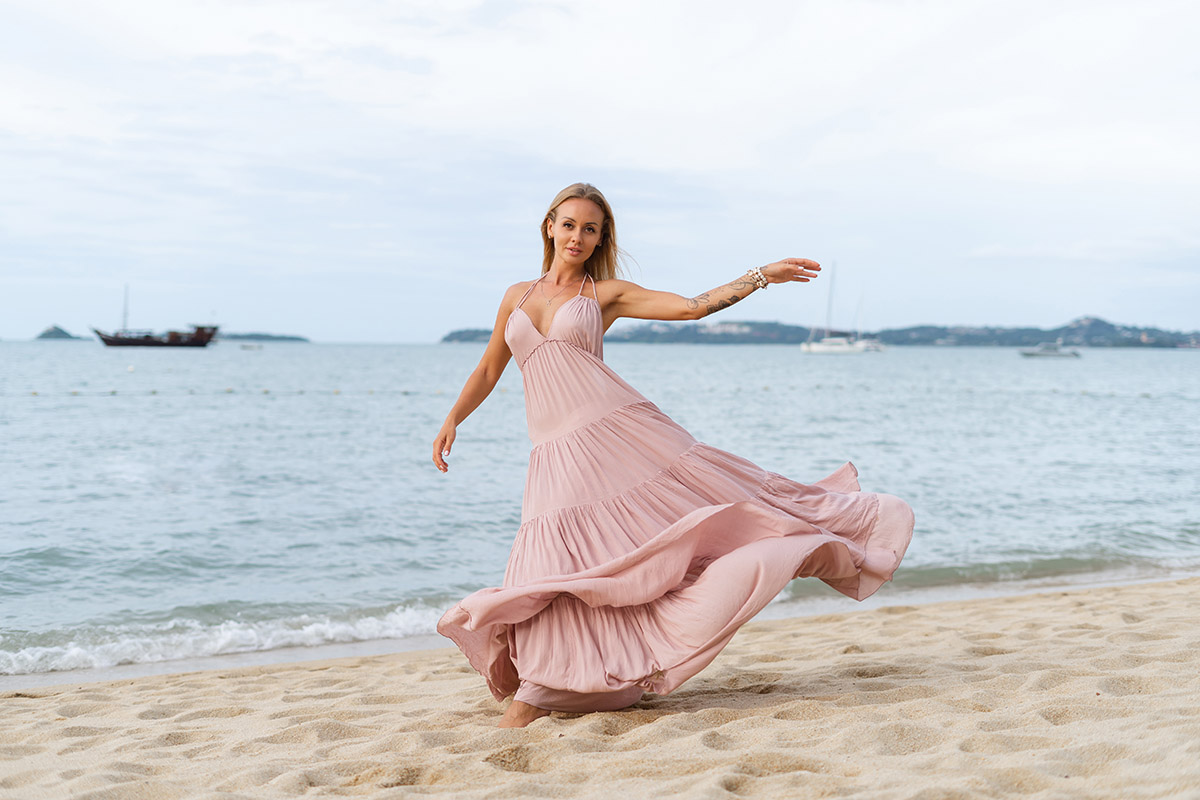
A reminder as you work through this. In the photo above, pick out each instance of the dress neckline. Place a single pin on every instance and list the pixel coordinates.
(553, 317)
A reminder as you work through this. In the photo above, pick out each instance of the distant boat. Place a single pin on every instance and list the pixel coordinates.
(198, 336)
(830, 344)
(1050, 350)
(834, 345)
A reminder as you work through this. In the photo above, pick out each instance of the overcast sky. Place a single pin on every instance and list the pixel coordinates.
(376, 171)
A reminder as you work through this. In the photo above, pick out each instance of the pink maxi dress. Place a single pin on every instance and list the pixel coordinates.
(641, 551)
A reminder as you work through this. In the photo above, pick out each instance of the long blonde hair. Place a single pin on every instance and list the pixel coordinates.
(605, 260)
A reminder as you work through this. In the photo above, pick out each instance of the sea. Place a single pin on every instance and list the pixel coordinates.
(163, 510)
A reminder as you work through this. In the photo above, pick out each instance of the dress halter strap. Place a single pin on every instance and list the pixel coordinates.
(586, 277)
(527, 291)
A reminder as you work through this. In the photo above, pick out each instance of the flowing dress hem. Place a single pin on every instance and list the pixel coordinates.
(481, 624)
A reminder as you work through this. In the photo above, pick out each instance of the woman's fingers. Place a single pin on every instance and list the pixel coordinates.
(808, 269)
(441, 449)
(795, 269)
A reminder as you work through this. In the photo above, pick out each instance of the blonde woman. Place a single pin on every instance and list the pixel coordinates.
(641, 550)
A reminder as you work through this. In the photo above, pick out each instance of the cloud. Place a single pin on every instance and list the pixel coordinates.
(352, 142)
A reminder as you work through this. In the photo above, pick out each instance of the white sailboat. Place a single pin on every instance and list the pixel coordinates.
(832, 345)
(1050, 350)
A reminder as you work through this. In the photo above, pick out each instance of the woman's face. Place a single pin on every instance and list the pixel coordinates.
(575, 230)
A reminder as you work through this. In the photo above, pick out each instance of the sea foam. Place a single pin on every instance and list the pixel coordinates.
(112, 645)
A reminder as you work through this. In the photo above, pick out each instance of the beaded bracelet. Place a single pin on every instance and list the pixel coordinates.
(756, 274)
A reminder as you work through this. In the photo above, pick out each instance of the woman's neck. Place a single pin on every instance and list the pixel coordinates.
(560, 274)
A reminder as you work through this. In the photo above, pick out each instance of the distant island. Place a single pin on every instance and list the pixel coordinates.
(468, 335)
(1083, 332)
(260, 337)
(55, 332)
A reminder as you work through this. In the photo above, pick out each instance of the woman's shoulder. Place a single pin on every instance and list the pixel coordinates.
(612, 287)
(517, 289)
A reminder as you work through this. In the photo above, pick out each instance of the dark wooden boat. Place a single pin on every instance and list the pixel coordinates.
(199, 336)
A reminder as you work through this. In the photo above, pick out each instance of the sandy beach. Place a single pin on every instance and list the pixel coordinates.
(1088, 693)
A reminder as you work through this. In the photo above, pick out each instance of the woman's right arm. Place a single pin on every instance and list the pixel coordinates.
(482, 380)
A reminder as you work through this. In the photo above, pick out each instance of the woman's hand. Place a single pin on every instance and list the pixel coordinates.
(441, 445)
(791, 269)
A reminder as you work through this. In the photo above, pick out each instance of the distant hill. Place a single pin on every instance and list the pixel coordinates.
(260, 337)
(1085, 331)
(55, 332)
(468, 335)
(712, 333)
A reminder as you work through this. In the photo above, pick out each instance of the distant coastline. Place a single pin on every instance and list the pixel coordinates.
(55, 332)
(1082, 332)
(261, 337)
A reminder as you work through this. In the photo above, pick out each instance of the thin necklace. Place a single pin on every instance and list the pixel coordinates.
(542, 287)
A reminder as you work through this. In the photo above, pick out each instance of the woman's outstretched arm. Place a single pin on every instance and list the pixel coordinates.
(481, 382)
(630, 300)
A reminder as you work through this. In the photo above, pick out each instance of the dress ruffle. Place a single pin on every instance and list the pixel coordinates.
(641, 551)
(658, 614)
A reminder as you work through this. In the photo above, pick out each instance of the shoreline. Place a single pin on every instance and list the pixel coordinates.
(781, 609)
(1091, 692)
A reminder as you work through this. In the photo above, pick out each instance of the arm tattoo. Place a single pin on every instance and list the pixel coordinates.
(737, 285)
(733, 298)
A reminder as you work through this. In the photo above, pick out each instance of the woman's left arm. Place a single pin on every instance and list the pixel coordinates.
(630, 300)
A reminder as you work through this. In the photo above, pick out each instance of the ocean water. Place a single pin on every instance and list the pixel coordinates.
(173, 505)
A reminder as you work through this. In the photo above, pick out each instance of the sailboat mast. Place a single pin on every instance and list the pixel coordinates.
(829, 302)
(125, 311)
(858, 319)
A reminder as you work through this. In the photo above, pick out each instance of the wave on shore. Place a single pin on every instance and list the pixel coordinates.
(184, 636)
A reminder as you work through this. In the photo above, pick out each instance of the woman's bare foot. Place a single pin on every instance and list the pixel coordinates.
(520, 714)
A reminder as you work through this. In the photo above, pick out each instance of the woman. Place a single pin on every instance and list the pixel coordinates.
(641, 551)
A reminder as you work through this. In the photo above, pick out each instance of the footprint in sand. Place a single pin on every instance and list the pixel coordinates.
(388, 777)
(318, 731)
(717, 741)
(1065, 715)
(903, 738)
(1121, 685)
(869, 671)
(997, 744)
(177, 738)
(987, 650)
(217, 712)
(512, 759)
(82, 709)
(15, 752)
(161, 712)
(76, 731)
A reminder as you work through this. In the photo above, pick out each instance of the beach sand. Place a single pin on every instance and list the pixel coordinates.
(1075, 694)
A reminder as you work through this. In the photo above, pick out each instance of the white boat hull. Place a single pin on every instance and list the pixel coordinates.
(834, 346)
